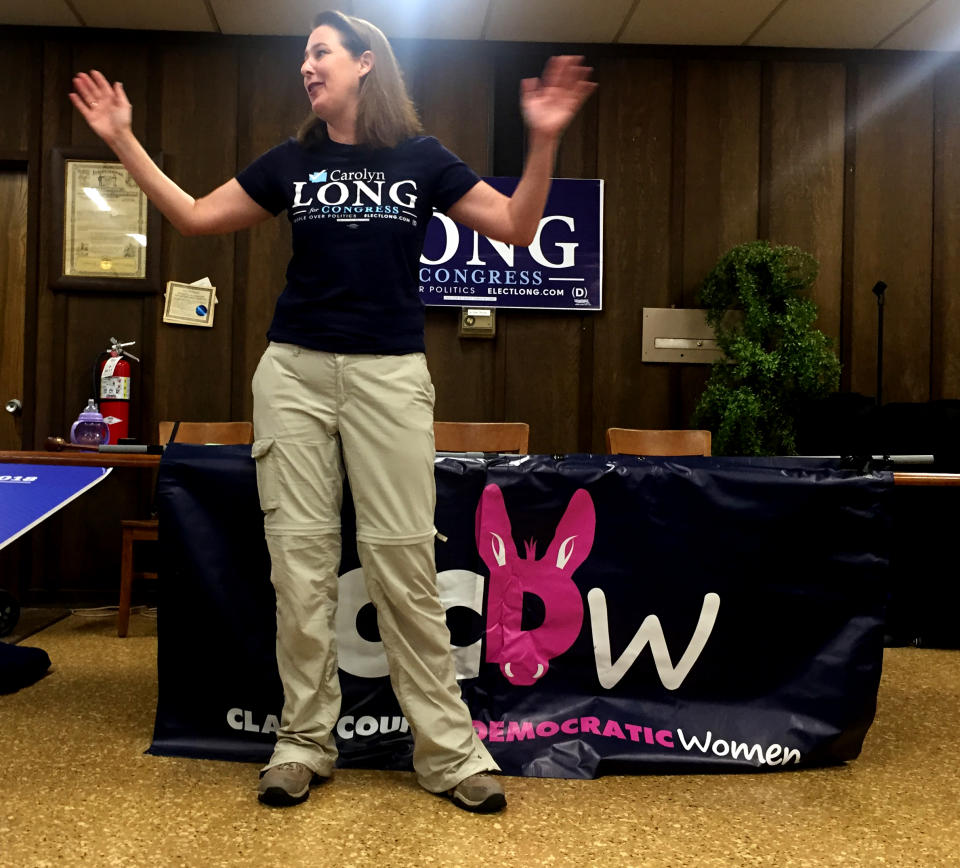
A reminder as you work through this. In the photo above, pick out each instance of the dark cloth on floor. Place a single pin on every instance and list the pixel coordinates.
(20, 666)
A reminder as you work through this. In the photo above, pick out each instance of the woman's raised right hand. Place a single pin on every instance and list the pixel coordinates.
(104, 106)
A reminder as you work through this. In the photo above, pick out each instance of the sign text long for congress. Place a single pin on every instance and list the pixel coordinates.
(561, 270)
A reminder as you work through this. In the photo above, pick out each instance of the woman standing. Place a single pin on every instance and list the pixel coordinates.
(343, 387)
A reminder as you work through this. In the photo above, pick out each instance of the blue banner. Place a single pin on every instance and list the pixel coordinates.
(607, 615)
(31, 492)
(561, 270)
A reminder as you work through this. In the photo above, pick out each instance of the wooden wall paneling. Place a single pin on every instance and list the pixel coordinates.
(634, 157)
(272, 103)
(143, 411)
(56, 69)
(721, 182)
(18, 142)
(18, 63)
(508, 144)
(120, 57)
(13, 295)
(806, 114)
(94, 529)
(577, 158)
(466, 372)
(20, 85)
(56, 131)
(451, 83)
(721, 166)
(20, 89)
(945, 313)
(849, 226)
(893, 206)
(35, 163)
(544, 378)
(88, 321)
(677, 222)
(91, 319)
(193, 366)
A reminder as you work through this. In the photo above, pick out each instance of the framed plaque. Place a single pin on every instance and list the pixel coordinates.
(108, 236)
(189, 303)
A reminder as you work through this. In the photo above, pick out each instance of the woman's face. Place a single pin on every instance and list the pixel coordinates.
(331, 74)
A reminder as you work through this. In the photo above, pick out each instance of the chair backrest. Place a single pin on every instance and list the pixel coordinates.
(481, 436)
(223, 433)
(653, 441)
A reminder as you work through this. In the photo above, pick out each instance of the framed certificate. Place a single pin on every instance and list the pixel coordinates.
(108, 236)
(189, 303)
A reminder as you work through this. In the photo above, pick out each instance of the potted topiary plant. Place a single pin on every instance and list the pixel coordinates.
(775, 359)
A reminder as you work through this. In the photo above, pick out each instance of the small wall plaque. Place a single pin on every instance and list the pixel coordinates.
(190, 303)
(678, 335)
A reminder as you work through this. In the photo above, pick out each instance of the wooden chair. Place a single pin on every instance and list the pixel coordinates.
(481, 436)
(652, 441)
(213, 433)
(145, 530)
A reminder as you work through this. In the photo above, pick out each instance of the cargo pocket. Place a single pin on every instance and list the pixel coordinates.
(268, 485)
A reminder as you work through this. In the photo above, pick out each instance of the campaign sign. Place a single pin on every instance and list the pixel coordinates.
(561, 270)
(606, 614)
(29, 493)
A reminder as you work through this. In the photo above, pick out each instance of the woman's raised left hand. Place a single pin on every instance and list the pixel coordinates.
(550, 102)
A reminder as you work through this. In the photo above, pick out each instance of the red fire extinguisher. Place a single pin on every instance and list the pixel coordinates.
(112, 384)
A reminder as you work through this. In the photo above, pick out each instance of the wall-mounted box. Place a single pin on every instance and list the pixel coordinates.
(477, 322)
(678, 335)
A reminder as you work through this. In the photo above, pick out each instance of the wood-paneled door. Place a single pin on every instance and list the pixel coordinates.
(13, 283)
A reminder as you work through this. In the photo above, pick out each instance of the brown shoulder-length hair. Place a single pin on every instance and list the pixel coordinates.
(385, 113)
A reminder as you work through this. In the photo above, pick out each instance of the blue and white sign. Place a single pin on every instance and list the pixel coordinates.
(29, 493)
(561, 270)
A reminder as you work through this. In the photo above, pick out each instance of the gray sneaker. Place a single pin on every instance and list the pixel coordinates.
(479, 793)
(286, 784)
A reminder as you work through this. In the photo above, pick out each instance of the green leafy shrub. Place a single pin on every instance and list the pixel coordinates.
(775, 358)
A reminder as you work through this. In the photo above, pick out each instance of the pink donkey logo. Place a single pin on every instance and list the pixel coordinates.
(524, 655)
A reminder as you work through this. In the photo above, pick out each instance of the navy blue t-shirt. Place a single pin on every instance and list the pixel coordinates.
(359, 217)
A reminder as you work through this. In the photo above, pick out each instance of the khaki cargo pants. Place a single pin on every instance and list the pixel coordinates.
(316, 416)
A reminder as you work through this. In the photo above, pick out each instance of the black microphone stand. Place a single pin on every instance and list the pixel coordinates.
(878, 290)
